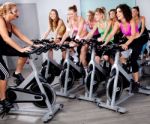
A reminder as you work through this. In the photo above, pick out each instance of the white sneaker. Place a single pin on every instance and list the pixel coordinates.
(75, 58)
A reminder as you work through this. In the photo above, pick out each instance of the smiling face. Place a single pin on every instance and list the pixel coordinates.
(89, 16)
(14, 13)
(53, 15)
(10, 11)
(98, 16)
(71, 14)
(134, 13)
(119, 14)
(112, 15)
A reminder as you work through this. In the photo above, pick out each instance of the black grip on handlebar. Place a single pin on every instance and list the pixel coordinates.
(34, 50)
(47, 41)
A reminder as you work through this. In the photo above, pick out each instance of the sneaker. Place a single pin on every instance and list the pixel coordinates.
(19, 77)
(144, 87)
(75, 58)
(6, 104)
(135, 87)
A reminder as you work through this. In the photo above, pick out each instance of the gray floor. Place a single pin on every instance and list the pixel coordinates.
(81, 112)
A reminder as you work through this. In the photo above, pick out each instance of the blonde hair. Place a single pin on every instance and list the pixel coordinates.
(6, 7)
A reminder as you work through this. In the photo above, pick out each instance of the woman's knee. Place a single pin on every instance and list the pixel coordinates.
(97, 59)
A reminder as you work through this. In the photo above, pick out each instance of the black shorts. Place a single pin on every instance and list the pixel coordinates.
(9, 51)
(4, 74)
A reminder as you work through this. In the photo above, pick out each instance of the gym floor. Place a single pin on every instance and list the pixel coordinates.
(82, 112)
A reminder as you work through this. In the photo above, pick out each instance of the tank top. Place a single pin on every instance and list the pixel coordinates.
(89, 28)
(127, 32)
(102, 31)
(75, 27)
(3, 44)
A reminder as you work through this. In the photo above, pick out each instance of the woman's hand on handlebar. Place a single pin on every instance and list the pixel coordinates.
(104, 44)
(60, 43)
(37, 45)
(26, 49)
(72, 44)
(124, 46)
(57, 41)
(100, 39)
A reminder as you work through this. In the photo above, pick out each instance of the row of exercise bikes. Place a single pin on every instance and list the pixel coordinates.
(40, 89)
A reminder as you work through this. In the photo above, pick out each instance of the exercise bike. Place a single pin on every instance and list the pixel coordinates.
(72, 72)
(50, 68)
(32, 90)
(97, 73)
(120, 80)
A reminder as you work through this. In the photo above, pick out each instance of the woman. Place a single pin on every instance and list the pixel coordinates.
(130, 31)
(90, 22)
(110, 24)
(140, 21)
(57, 27)
(76, 27)
(101, 25)
(8, 47)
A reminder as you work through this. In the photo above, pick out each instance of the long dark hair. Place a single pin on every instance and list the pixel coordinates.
(126, 10)
(54, 23)
(137, 8)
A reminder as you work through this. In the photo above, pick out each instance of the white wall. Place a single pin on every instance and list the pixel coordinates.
(44, 7)
(145, 8)
(19, 1)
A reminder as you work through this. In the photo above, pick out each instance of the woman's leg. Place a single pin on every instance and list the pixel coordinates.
(3, 84)
(97, 59)
(83, 55)
(20, 64)
(50, 54)
(4, 74)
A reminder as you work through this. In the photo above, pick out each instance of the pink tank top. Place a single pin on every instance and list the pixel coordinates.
(127, 32)
(75, 27)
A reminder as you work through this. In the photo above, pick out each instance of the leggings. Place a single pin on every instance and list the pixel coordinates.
(7, 51)
(4, 74)
(136, 47)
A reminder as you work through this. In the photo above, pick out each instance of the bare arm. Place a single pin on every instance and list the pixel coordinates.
(133, 33)
(143, 25)
(47, 33)
(81, 24)
(66, 34)
(114, 31)
(60, 23)
(20, 35)
(90, 34)
(5, 36)
(109, 24)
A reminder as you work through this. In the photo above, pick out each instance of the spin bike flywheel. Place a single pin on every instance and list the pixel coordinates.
(70, 79)
(49, 92)
(50, 77)
(96, 81)
(110, 87)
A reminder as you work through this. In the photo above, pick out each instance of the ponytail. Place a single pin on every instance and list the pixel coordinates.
(74, 8)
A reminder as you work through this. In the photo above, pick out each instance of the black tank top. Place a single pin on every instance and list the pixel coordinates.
(3, 44)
